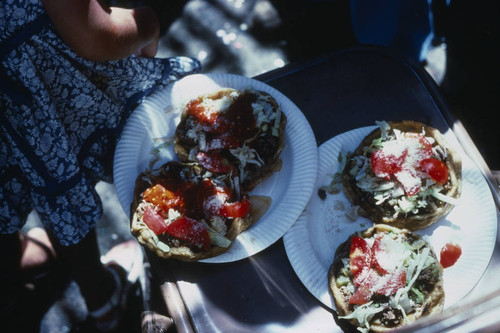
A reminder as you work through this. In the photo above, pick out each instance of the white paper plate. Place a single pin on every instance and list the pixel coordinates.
(158, 116)
(311, 242)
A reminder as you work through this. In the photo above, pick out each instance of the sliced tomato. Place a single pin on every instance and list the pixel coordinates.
(189, 230)
(364, 292)
(392, 282)
(208, 118)
(425, 150)
(385, 165)
(370, 275)
(161, 197)
(154, 220)
(361, 295)
(235, 209)
(436, 169)
(360, 259)
(404, 164)
(379, 254)
(217, 204)
(214, 162)
(409, 180)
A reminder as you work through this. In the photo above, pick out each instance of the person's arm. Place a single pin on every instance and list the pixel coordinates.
(100, 33)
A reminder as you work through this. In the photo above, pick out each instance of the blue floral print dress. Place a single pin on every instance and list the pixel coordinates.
(60, 117)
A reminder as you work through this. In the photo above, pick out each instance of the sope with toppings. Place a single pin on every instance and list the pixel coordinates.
(404, 174)
(384, 278)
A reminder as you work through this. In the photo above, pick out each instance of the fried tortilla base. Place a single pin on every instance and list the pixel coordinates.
(380, 213)
(433, 303)
(146, 237)
(271, 144)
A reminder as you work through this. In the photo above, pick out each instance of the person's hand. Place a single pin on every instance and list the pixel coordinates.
(102, 33)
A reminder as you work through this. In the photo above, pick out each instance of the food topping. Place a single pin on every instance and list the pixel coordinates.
(235, 209)
(228, 127)
(401, 158)
(449, 255)
(231, 132)
(214, 161)
(375, 269)
(191, 208)
(189, 230)
(386, 276)
(402, 170)
(436, 169)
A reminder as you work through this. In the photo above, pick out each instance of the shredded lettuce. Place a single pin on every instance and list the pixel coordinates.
(436, 194)
(246, 155)
(413, 258)
(418, 261)
(384, 128)
(363, 314)
(342, 280)
(419, 296)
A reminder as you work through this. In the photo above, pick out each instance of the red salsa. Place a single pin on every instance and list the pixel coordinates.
(450, 254)
(228, 129)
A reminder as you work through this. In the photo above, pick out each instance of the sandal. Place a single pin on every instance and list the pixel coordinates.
(121, 262)
(116, 305)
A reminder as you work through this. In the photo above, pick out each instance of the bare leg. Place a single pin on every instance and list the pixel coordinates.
(23, 254)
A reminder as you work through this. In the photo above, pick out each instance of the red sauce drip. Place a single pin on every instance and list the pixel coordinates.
(227, 129)
(195, 197)
(450, 254)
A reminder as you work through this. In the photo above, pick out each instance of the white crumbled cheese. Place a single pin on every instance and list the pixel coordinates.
(393, 255)
(219, 105)
(216, 200)
(409, 180)
(172, 215)
(406, 204)
(394, 148)
(234, 94)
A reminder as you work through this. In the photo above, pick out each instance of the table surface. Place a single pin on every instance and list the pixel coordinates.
(338, 92)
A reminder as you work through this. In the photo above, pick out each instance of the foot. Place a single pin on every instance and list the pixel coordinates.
(122, 263)
(107, 317)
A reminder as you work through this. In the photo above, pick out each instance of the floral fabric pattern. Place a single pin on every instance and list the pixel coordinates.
(60, 117)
